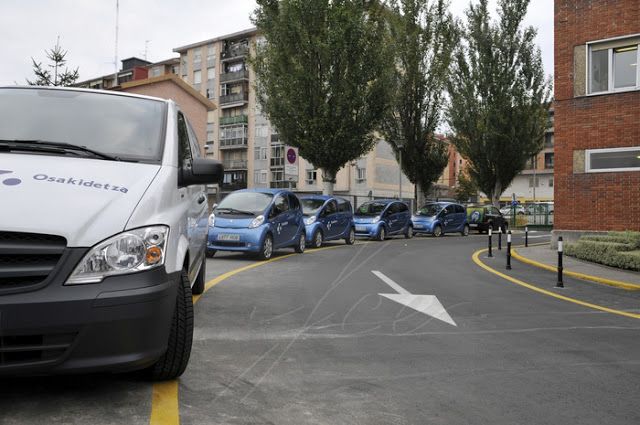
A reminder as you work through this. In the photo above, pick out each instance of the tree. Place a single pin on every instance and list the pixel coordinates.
(322, 77)
(499, 96)
(55, 76)
(423, 37)
(465, 188)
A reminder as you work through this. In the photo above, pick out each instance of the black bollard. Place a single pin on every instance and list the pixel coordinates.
(509, 250)
(490, 253)
(500, 238)
(526, 236)
(560, 284)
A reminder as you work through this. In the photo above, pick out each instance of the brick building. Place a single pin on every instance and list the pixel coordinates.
(597, 116)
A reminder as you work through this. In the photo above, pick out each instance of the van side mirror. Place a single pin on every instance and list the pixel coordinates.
(202, 171)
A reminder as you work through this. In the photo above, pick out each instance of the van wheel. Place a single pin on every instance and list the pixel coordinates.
(437, 231)
(408, 234)
(198, 286)
(317, 239)
(465, 230)
(266, 251)
(351, 238)
(174, 361)
(302, 243)
(382, 234)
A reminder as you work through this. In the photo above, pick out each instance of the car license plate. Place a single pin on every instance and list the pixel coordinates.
(361, 229)
(228, 237)
(418, 226)
(473, 224)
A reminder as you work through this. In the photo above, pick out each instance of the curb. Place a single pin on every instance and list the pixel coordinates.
(615, 283)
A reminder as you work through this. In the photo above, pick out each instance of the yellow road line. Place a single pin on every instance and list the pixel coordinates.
(476, 259)
(164, 404)
(611, 282)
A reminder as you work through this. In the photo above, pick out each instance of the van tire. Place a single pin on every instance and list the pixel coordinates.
(174, 361)
(265, 253)
(408, 234)
(199, 284)
(302, 243)
(382, 233)
(351, 237)
(437, 231)
(465, 230)
(317, 240)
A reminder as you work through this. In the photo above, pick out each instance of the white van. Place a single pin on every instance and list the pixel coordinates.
(103, 227)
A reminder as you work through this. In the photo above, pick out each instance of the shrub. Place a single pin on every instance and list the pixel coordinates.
(616, 249)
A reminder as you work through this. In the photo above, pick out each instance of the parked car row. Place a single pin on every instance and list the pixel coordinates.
(260, 221)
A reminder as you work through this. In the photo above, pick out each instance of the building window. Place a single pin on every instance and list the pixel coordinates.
(197, 56)
(613, 66)
(260, 153)
(211, 93)
(211, 74)
(551, 182)
(260, 176)
(537, 182)
(197, 77)
(211, 52)
(361, 175)
(613, 159)
(312, 176)
(548, 160)
(184, 67)
(548, 140)
(277, 156)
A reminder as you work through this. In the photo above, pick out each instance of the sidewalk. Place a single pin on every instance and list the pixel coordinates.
(543, 257)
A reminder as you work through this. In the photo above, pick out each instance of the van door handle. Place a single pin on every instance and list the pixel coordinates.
(201, 199)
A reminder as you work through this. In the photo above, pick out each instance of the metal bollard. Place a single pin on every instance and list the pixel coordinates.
(560, 284)
(526, 236)
(500, 238)
(509, 250)
(490, 253)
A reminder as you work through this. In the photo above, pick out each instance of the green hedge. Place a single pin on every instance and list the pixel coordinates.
(617, 249)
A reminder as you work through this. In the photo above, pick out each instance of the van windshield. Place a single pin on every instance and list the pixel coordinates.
(244, 203)
(429, 210)
(131, 129)
(371, 209)
(311, 206)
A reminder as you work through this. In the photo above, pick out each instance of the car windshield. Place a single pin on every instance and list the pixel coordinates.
(311, 206)
(131, 129)
(244, 203)
(429, 210)
(371, 209)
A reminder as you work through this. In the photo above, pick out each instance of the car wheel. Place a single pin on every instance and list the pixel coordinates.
(302, 243)
(409, 232)
(317, 239)
(382, 234)
(198, 286)
(465, 230)
(211, 253)
(351, 238)
(174, 361)
(266, 250)
(437, 231)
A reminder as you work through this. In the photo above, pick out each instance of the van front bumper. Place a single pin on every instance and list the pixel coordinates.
(118, 325)
(369, 230)
(240, 240)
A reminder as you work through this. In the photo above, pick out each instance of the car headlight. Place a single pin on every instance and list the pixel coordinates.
(212, 220)
(256, 222)
(310, 220)
(128, 252)
(376, 219)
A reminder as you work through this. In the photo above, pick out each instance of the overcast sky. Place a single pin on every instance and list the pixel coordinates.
(87, 30)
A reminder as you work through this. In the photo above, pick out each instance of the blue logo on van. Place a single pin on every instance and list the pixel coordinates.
(10, 181)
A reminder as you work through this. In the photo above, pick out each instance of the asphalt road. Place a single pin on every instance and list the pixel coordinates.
(308, 339)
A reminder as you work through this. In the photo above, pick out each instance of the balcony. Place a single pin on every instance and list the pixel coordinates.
(235, 164)
(234, 143)
(238, 119)
(234, 51)
(234, 76)
(241, 97)
(230, 187)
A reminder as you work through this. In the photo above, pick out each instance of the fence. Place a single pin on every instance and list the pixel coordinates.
(538, 214)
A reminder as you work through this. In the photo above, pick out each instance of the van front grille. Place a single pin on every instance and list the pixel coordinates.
(27, 259)
(29, 349)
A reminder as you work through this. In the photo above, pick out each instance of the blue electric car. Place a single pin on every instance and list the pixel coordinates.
(438, 218)
(327, 218)
(381, 218)
(257, 221)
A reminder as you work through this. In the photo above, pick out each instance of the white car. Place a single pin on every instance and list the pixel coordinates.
(103, 226)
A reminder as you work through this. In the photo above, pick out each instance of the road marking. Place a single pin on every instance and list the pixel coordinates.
(476, 259)
(427, 304)
(165, 409)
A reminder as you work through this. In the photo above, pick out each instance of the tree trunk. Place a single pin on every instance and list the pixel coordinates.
(495, 196)
(328, 180)
(420, 198)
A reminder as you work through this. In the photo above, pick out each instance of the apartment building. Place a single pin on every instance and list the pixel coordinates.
(597, 114)
(241, 136)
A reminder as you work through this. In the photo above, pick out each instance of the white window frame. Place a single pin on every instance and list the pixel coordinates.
(361, 174)
(312, 173)
(197, 74)
(587, 159)
(620, 42)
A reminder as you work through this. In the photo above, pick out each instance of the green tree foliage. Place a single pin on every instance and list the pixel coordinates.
(465, 188)
(499, 96)
(54, 75)
(423, 37)
(322, 76)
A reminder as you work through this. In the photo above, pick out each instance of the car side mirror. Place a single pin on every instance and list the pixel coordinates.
(202, 171)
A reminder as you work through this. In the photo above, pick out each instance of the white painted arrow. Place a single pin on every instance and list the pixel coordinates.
(427, 304)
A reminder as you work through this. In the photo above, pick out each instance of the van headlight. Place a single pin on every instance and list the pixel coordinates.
(256, 222)
(376, 219)
(310, 220)
(128, 252)
(212, 220)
